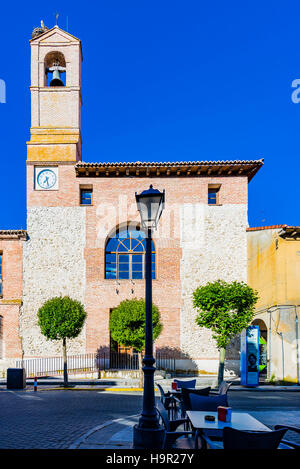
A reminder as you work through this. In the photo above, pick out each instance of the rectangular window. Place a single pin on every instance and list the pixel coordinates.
(1, 274)
(213, 195)
(86, 196)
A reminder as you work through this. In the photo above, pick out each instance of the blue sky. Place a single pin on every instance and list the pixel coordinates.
(167, 81)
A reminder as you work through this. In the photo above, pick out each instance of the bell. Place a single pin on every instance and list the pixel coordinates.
(56, 70)
(56, 80)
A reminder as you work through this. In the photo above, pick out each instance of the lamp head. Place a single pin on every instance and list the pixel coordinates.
(150, 204)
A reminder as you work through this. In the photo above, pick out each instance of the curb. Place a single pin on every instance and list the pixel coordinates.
(95, 429)
(236, 388)
(96, 389)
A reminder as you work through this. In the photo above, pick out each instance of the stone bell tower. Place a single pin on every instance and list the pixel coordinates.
(56, 58)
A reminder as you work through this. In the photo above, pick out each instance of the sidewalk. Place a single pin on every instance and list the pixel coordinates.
(118, 434)
(114, 434)
(118, 384)
(132, 385)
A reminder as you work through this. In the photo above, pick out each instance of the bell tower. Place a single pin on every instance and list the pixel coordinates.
(56, 58)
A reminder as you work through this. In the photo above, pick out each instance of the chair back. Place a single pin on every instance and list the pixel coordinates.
(185, 384)
(238, 439)
(224, 386)
(163, 415)
(162, 393)
(185, 396)
(209, 403)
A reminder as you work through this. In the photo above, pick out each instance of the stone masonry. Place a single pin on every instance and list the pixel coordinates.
(54, 263)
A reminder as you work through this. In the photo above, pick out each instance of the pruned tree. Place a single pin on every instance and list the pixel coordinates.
(127, 326)
(61, 318)
(226, 309)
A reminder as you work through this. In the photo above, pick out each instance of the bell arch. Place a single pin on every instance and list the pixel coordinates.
(55, 69)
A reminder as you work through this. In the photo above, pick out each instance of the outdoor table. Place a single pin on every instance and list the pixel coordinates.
(239, 421)
(175, 392)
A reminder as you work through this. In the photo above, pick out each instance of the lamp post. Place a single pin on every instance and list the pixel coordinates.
(148, 433)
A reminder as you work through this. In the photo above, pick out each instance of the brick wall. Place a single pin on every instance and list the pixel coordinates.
(10, 302)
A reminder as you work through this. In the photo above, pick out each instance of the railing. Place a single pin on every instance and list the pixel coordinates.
(89, 363)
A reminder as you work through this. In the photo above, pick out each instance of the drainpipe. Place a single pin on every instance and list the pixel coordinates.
(282, 353)
(269, 341)
(297, 343)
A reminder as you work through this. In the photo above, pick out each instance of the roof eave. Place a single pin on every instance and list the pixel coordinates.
(13, 234)
(170, 169)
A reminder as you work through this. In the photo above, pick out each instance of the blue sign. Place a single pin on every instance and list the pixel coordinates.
(250, 356)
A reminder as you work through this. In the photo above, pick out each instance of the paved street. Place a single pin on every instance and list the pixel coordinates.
(55, 419)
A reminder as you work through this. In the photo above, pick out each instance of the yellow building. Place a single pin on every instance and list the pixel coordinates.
(274, 271)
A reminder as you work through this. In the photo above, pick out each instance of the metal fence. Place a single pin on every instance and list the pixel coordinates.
(90, 362)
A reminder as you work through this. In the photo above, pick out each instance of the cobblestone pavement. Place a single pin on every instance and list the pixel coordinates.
(55, 419)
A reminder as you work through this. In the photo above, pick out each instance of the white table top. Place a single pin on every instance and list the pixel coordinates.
(239, 421)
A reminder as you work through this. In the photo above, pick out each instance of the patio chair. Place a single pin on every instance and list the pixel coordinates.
(167, 400)
(181, 439)
(238, 439)
(289, 428)
(185, 403)
(223, 389)
(209, 403)
(185, 384)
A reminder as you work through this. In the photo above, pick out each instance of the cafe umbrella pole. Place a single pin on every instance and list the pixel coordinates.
(148, 433)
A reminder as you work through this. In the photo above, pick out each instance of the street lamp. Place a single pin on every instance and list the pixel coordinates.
(148, 433)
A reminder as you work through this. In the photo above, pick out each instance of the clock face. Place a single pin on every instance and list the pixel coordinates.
(46, 179)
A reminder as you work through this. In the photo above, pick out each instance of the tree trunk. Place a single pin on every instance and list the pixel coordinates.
(221, 366)
(141, 374)
(65, 363)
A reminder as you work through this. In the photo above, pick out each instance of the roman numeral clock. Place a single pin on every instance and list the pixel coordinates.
(46, 178)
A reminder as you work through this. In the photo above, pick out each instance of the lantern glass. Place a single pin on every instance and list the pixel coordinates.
(150, 204)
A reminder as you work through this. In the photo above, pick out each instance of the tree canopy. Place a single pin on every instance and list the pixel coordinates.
(225, 308)
(127, 323)
(61, 317)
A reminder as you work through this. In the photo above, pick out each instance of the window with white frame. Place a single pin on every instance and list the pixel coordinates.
(125, 255)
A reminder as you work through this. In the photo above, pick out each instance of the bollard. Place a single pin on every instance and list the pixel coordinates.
(35, 384)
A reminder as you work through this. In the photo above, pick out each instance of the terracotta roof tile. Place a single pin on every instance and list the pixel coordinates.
(15, 234)
(271, 227)
(244, 168)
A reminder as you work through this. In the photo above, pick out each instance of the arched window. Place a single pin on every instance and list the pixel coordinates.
(125, 254)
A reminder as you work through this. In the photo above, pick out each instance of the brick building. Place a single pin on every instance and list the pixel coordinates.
(83, 237)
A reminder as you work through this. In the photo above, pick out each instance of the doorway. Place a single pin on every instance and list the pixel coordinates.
(263, 340)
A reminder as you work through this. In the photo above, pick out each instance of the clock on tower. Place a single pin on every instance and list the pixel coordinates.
(46, 178)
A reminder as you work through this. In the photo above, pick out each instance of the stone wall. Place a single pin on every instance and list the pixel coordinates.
(214, 246)
(53, 265)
